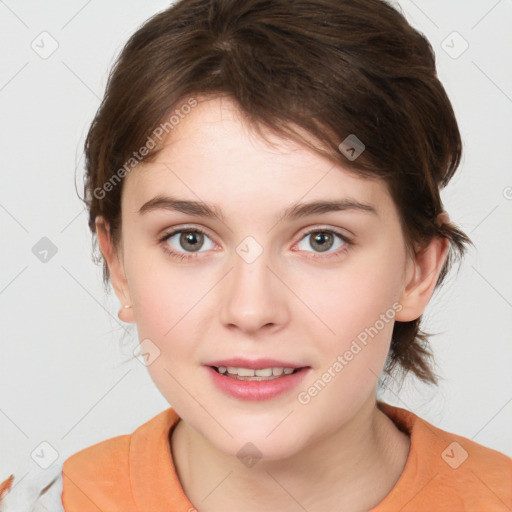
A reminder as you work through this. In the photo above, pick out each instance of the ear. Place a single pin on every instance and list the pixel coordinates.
(115, 267)
(422, 281)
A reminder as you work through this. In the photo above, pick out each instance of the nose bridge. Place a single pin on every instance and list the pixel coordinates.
(252, 298)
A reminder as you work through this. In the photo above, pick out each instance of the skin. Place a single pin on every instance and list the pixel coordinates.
(294, 302)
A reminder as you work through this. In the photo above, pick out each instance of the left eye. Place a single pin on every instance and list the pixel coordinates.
(323, 240)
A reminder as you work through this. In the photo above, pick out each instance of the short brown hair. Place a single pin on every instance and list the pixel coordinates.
(330, 67)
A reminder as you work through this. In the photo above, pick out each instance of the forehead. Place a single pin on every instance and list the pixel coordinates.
(213, 154)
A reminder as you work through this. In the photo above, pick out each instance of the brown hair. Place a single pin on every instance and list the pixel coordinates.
(329, 67)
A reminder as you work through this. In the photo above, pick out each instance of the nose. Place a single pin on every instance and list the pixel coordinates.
(253, 296)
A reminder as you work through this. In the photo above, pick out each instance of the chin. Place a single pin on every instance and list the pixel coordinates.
(251, 452)
(266, 438)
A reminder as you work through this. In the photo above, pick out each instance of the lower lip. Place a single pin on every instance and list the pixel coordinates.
(256, 390)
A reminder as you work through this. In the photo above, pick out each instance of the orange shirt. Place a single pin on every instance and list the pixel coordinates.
(135, 473)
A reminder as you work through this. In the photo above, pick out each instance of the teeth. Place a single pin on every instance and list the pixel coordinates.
(248, 372)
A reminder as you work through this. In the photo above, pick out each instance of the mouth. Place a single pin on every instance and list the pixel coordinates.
(262, 379)
(250, 374)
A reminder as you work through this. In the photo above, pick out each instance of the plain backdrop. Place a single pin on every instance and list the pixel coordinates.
(67, 381)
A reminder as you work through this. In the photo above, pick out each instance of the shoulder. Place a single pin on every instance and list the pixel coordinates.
(98, 469)
(483, 474)
(111, 453)
(450, 470)
(96, 478)
(111, 456)
(101, 476)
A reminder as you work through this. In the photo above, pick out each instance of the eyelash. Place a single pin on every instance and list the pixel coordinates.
(184, 256)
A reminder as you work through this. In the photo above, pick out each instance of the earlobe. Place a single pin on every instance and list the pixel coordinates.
(116, 269)
(421, 284)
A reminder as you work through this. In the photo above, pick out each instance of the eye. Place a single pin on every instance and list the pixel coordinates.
(323, 240)
(182, 243)
(191, 240)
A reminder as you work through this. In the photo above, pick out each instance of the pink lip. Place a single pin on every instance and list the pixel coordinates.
(256, 364)
(256, 390)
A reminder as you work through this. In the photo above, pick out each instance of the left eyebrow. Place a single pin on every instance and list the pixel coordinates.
(201, 209)
(325, 206)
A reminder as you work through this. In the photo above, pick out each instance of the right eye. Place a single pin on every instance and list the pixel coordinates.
(189, 239)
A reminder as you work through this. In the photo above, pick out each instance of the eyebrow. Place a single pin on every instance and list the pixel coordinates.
(201, 209)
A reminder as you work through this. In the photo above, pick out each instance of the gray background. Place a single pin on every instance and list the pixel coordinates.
(66, 379)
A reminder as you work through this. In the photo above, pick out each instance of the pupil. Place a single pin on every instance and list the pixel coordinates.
(320, 239)
(192, 240)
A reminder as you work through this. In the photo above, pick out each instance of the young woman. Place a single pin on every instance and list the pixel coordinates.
(264, 179)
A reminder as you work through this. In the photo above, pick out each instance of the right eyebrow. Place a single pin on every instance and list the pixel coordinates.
(196, 208)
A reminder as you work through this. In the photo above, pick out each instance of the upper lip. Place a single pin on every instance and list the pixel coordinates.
(254, 364)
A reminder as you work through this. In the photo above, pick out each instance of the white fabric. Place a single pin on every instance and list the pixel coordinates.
(25, 494)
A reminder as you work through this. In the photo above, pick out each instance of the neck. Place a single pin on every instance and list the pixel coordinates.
(352, 469)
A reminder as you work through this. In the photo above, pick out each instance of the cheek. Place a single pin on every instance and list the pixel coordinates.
(357, 307)
(165, 309)
(165, 315)
(354, 297)
(163, 294)
(352, 359)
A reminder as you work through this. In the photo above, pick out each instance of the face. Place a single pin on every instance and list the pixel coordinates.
(317, 291)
